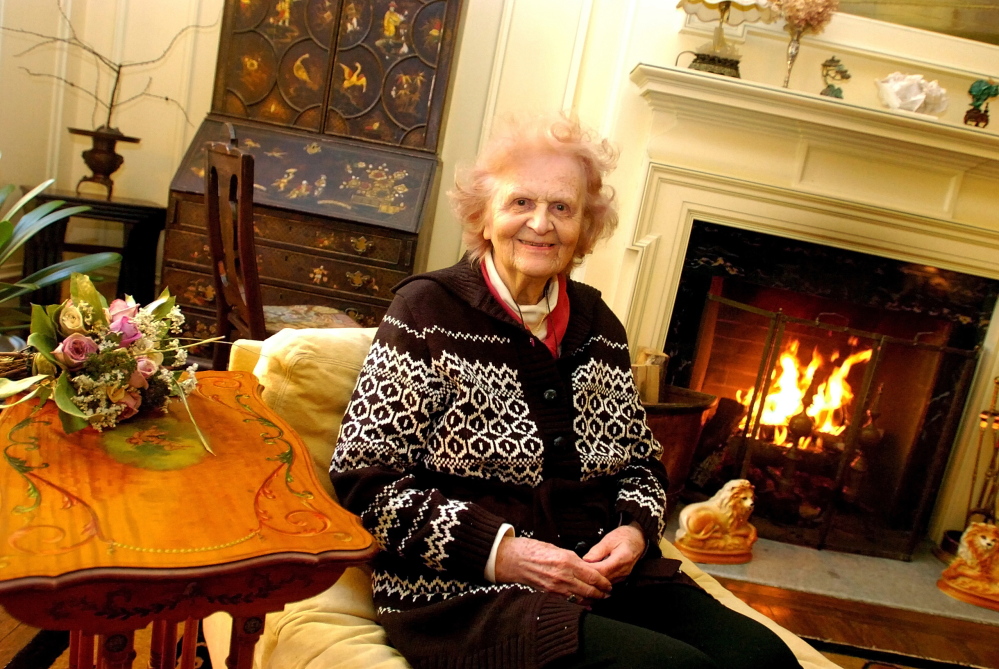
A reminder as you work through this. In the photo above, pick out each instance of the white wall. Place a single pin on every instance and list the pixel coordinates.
(36, 111)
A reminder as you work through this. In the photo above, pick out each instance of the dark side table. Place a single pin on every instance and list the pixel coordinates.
(143, 221)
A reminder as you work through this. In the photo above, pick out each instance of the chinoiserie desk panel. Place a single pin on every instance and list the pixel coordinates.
(143, 222)
(104, 533)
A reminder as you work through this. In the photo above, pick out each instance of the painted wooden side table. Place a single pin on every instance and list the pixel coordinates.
(104, 533)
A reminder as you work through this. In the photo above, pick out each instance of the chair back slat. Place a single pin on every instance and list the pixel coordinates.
(229, 219)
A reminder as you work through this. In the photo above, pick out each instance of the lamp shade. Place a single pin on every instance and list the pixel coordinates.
(732, 12)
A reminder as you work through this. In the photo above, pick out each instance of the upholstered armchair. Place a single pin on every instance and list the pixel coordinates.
(307, 377)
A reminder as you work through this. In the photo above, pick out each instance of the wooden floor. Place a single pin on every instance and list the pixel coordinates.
(869, 626)
(14, 636)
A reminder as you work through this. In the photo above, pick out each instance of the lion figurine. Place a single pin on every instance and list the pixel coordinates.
(973, 576)
(718, 530)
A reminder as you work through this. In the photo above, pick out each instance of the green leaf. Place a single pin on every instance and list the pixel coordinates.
(36, 391)
(42, 323)
(37, 213)
(44, 345)
(5, 193)
(71, 424)
(28, 197)
(6, 230)
(25, 229)
(65, 269)
(64, 393)
(59, 272)
(83, 292)
(164, 308)
(9, 387)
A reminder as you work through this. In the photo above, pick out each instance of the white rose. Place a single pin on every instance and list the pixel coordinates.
(71, 320)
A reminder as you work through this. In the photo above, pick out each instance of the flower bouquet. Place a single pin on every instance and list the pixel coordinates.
(101, 363)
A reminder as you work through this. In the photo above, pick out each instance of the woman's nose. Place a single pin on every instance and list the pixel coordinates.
(539, 222)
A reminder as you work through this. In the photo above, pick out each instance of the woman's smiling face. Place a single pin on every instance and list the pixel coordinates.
(534, 222)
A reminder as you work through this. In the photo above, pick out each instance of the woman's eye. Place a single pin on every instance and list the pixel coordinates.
(561, 208)
(520, 202)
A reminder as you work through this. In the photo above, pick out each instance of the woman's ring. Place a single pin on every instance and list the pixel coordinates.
(572, 599)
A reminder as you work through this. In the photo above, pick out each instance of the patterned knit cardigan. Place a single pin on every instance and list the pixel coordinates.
(460, 421)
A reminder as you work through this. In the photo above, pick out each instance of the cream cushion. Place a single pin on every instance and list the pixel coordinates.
(308, 377)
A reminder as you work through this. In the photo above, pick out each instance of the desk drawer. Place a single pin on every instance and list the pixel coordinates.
(281, 265)
(335, 238)
(187, 247)
(194, 289)
(331, 236)
(353, 279)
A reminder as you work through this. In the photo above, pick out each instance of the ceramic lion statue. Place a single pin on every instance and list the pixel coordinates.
(718, 529)
(977, 554)
(973, 576)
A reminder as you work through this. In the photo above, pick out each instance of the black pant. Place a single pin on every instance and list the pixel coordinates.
(673, 626)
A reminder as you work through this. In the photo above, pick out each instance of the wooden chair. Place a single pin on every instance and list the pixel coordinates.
(229, 217)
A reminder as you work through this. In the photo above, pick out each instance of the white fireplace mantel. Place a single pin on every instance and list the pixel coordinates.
(822, 170)
(792, 139)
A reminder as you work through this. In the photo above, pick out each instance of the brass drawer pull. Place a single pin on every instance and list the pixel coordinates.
(362, 245)
(358, 280)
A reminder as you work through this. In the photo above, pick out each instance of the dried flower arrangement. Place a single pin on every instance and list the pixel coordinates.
(806, 16)
(803, 17)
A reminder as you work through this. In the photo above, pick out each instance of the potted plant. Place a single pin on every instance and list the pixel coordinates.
(14, 235)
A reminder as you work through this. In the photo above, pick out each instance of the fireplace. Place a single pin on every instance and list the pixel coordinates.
(849, 188)
(841, 376)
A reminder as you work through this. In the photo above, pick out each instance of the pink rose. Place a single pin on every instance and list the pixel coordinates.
(126, 327)
(146, 366)
(119, 308)
(74, 350)
(137, 380)
(131, 400)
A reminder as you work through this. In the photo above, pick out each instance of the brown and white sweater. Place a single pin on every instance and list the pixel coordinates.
(461, 421)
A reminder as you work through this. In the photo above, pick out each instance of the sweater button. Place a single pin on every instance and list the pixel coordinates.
(559, 442)
(550, 394)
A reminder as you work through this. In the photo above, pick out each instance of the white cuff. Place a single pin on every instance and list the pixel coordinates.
(505, 530)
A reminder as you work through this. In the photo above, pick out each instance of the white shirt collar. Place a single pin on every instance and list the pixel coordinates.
(534, 315)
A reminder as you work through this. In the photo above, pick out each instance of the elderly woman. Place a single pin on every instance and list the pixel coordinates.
(496, 448)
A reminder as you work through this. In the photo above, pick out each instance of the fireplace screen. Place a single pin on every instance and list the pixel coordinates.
(840, 410)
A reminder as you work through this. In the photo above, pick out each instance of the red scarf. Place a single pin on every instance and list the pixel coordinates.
(557, 319)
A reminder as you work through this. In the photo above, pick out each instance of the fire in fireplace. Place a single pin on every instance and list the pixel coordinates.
(841, 376)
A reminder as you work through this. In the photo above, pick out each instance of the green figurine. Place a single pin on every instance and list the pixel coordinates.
(833, 70)
(981, 92)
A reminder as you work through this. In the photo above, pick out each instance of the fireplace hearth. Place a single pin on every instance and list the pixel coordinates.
(842, 378)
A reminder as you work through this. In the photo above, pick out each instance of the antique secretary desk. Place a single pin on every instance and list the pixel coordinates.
(340, 102)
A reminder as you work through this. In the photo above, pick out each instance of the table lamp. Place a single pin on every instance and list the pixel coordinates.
(718, 55)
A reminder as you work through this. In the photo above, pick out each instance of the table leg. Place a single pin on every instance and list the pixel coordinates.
(81, 650)
(189, 649)
(163, 649)
(116, 651)
(245, 632)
